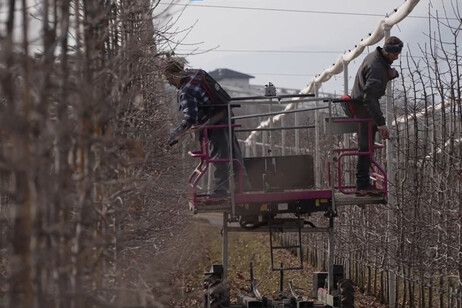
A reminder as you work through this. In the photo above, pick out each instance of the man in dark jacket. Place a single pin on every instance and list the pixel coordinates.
(193, 99)
(369, 86)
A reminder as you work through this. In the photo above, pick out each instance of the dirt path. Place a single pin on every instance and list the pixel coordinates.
(204, 248)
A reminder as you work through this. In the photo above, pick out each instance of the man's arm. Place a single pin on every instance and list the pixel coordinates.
(177, 132)
(383, 131)
(373, 107)
(190, 113)
(372, 92)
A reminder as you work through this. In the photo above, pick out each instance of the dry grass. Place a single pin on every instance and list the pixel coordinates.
(243, 249)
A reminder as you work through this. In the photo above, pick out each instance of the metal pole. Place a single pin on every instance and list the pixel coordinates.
(391, 195)
(209, 179)
(247, 150)
(346, 137)
(251, 277)
(331, 161)
(331, 244)
(231, 162)
(345, 77)
(281, 278)
(346, 144)
(271, 142)
(264, 141)
(317, 163)
(224, 248)
(330, 253)
(297, 133)
(283, 137)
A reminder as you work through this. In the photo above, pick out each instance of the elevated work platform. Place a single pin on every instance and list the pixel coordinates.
(267, 184)
(302, 202)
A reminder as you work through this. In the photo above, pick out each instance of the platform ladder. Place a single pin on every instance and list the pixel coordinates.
(279, 225)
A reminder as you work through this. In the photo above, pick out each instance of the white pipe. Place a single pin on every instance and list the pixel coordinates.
(402, 12)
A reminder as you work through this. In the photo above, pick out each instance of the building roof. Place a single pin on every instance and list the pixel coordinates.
(224, 73)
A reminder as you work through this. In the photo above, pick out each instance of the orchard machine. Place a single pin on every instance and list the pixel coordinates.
(285, 190)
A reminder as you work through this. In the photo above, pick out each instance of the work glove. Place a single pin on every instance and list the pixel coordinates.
(383, 132)
(393, 73)
(177, 132)
(172, 140)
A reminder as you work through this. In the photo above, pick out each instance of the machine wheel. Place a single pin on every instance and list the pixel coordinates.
(347, 293)
(251, 222)
(216, 296)
(215, 289)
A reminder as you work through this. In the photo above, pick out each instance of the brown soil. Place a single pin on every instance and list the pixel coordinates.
(200, 247)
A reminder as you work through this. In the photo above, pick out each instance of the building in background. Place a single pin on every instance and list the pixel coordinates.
(237, 84)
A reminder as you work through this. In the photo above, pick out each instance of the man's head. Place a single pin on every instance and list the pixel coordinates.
(174, 71)
(392, 48)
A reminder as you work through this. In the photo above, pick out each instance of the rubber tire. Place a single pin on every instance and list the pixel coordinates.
(347, 293)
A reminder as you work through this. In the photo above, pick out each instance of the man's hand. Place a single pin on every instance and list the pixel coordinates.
(393, 73)
(178, 132)
(172, 141)
(383, 131)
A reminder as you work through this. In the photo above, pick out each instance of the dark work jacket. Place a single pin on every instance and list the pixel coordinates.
(370, 85)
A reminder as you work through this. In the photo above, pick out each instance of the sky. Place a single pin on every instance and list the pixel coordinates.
(286, 42)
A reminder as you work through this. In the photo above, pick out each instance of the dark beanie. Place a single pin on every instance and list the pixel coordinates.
(393, 48)
(393, 45)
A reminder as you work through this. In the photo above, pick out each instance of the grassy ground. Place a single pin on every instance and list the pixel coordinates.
(243, 248)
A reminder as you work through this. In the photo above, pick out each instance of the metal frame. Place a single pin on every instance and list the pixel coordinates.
(228, 207)
(378, 172)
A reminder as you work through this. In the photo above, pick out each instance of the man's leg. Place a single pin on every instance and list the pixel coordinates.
(364, 161)
(218, 147)
(237, 154)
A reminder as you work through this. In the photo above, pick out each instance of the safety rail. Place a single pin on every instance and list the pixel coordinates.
(285, 185)
(304, 195)
(205, 161)
(378, 174)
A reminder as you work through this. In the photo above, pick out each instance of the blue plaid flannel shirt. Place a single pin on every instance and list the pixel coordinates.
(190, 97)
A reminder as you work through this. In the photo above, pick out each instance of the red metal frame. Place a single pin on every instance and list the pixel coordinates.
(378, 174)
(240, 196)
(205, 160)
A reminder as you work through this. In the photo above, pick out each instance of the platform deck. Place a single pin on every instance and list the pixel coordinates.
(209, 205)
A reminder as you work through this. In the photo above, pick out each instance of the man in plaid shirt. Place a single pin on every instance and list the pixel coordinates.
(191, 98)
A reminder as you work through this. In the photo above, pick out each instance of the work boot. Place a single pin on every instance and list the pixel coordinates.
(368, 191)
(218, 194)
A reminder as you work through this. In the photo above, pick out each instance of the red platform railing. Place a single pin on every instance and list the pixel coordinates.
(204, 160)
(378, 174)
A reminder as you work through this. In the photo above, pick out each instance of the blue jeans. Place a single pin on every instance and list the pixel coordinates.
(219, 149)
